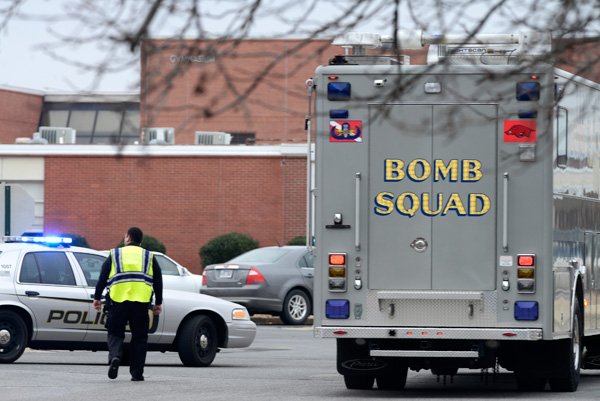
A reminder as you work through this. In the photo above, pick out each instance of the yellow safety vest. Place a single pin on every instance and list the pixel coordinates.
(131, 276)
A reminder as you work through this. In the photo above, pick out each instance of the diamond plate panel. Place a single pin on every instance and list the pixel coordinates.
(428, 308)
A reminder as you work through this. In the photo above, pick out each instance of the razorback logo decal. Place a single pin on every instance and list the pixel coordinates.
(520, 130)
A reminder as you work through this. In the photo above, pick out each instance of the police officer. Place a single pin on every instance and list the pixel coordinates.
(131, 274)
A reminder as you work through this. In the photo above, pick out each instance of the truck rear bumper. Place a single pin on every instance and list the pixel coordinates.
(418, 333)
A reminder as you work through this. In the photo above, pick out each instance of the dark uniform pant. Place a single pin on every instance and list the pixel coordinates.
(136, 314)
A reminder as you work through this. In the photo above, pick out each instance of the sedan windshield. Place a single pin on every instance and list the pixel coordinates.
(260, 255)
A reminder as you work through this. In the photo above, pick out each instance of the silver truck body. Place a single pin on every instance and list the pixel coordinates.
(445, 182)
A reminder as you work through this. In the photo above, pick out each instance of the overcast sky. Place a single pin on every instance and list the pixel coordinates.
(25, 42)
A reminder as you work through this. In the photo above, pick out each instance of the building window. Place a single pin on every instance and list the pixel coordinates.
(243, 138)
(95, 123)
(83, 122)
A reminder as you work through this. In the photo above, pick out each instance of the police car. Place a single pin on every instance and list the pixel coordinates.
(46, 293)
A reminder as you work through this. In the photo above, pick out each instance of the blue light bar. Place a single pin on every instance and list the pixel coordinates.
(48, 240)
(337, 309)
(526, 310)
(338, 91)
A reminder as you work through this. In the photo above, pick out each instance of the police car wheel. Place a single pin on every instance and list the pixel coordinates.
(13, 336)
(197, 344)
(296, 307)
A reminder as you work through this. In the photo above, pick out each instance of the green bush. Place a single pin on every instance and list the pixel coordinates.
(150, 243)
(78, 240)
(225, 247)
(299, 240)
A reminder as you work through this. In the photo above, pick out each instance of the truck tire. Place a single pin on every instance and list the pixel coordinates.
(197, 342)
(13, 336)
(528, 382)
(296, 308)
(359, 382)
(570, 357)
(395, 381)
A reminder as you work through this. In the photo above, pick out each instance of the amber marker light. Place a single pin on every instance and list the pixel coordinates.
(240, 314)
(526, 272)
(337, 271)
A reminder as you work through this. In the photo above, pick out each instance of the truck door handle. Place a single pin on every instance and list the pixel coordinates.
(505, 213)
(357, 212)
(32, 293)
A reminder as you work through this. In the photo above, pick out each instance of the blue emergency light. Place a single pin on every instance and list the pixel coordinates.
(338, 91)
(528, 113)
(338, 114)
(526, 310)
(337, 309)
(528, 91)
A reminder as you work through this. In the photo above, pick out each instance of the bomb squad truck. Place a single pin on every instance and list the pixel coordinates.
(456, 211)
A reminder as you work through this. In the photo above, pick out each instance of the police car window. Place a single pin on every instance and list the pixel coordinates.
(29, 270)
(167, 267)
(47, 268)
(91, 266)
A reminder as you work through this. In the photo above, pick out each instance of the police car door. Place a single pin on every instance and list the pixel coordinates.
(90, 266)
(48, 286)
(432, 176)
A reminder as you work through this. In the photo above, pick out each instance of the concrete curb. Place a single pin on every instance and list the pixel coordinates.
(269, 320)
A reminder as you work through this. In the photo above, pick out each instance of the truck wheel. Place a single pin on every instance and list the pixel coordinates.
(197, 343)
(359, 382)
(13, 336)
(527, 382)
(570, 357)
(395, 381)
(296, 307)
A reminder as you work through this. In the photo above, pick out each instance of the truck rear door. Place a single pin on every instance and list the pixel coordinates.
(432, 186)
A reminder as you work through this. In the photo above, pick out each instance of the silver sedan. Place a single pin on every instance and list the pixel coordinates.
(274, 280)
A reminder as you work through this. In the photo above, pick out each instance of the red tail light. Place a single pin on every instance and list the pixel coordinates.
(254, 276)
(203, 279)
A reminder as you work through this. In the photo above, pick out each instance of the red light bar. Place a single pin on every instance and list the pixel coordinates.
(332, 77)
(340, 332)
(526, 260)
(509, 334)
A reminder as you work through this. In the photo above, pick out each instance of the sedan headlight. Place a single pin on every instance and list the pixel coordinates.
(240, 314)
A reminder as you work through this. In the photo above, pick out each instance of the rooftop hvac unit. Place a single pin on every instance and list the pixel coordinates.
(212, 138)
(158, 136)
(58, 135)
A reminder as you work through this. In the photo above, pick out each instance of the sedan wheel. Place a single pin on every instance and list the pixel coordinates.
(296, 307)
(197, 344)
(13, 336)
